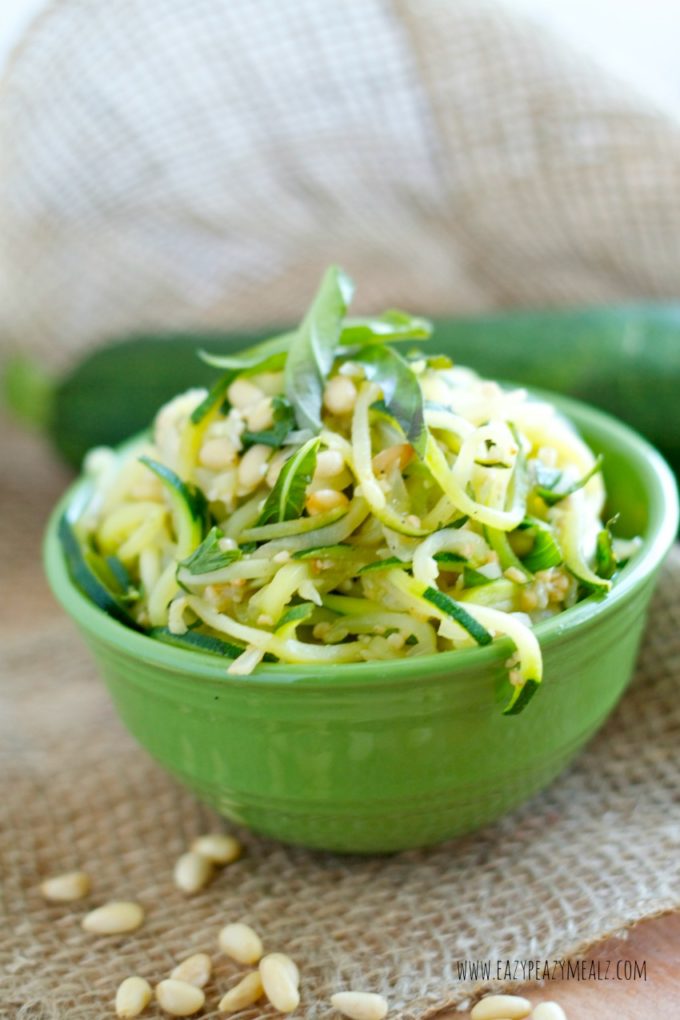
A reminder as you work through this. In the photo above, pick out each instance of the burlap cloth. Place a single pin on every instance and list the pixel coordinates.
(597, 851)
(174, 162)
(170, 162)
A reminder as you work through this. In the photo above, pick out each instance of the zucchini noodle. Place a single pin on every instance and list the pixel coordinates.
(362, 506)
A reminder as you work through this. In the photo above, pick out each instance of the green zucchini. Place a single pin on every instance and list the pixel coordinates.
(188, 507)
(445, 604)
(196, 641)
(97, 579)
(507, 557)
(116, 389)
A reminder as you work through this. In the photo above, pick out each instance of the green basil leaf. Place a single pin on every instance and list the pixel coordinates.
(208, 556)
(390, 327)
(284, 423)
(286, 501)
(474, 579)
(401, 391)
(311, 354)
(266, 356)
(295, 614)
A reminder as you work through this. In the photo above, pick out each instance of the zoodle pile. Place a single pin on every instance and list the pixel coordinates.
(332, 500)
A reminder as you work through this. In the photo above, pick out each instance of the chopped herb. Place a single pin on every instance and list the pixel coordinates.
(312, 351)
(209, 556)
(276, 435)
(402, 396)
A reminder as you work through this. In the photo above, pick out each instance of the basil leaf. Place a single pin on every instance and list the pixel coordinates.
(401, 391)
(311, 354)
(208, 556)
(266, 356)
(390, 327)
(474, 579)
(286, 501)
(284, 422)
(295, 614)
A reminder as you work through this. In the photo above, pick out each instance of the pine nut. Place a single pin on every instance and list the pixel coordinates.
(114, 918)
(329, 463)
(73, 885)
(193, 872)
(241, 943)
(178, 998)
(245, 993)
(399, 455)
(260, 416)
(133, 996)
(501, 1007)
(548, 1011)
(217, 453)
(243, 393)
(325, 499)
(275, 465)
(218, 848)
(340, 395)
(280, 979)
(253, 467)
(360, 1005)
(195, 970)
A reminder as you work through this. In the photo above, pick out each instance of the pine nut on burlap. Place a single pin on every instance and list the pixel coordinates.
(596, 852)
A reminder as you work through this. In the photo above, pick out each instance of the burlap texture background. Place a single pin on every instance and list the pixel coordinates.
(174, 162)
(596, 852)
(170, 162)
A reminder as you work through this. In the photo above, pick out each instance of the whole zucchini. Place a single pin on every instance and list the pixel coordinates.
(625, 360)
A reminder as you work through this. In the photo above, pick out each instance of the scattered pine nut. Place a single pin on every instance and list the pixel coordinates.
(501, 1007)
(400, 455)
(195, 970)
(217, 453)
(548, 1011)
(360, 1005)
(114, 918)
(241, 943)
(245, 993)
(340, 395)
(218, 848)
(260, 416)
(179, 998)
(322, 500)
(73, 885)
(242, 393)
(133, 996)
(280, 979)
(193, 872)
(253, 468)
(329, 463)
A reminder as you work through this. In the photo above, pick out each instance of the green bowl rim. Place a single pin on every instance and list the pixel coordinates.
(660, 533)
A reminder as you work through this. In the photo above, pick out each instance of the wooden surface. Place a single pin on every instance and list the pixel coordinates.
(656, 943)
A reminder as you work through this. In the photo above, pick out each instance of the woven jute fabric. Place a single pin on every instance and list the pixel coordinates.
(594, 853)
(166, 163)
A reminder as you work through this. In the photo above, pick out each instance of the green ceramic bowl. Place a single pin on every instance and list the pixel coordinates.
(384, 756)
